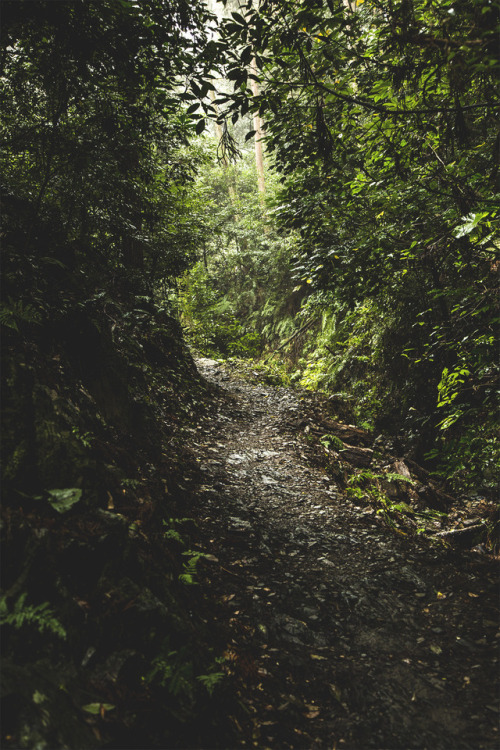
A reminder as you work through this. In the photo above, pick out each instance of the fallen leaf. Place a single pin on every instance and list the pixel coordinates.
(312, 714)
(436, 649)
(318, 657)
(336, 691)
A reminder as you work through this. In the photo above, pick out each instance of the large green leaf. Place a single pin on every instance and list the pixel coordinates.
(63, 500)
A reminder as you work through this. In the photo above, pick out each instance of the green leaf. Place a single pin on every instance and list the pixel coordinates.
(97, 708)
(63, 500)
(234, 74)
(470, 222)
(196, 89)
(238, 18)
(200, 126)
(246, 55)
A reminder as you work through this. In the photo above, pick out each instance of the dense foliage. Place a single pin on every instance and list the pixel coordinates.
(238, 298)
(374, 251)
(96, 380)
(382, 120)
(92, 128)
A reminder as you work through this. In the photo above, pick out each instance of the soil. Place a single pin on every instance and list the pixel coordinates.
(340, 631)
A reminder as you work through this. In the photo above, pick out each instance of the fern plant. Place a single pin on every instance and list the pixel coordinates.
(328, 441)
(172, 670)
(210, 680)
(393, 477)
(41, 616)
(190, 568)
(13, 312)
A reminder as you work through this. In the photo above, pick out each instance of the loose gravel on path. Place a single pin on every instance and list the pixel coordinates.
(342, 633)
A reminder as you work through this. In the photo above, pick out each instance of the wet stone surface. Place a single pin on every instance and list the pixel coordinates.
(341, 632)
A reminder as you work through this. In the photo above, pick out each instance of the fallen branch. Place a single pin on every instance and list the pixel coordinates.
(468, 537)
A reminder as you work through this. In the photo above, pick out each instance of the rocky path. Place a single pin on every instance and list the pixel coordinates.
(341, 632)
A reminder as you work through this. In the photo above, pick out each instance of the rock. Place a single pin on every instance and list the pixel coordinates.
(236, 458)
(239, 524)
(391, 489)
(268, 480)
(206, 362)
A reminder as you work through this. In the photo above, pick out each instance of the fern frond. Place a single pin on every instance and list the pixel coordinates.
(12, 312)
(332, 440)
(392, 477)
(41, 616)
(210, 680)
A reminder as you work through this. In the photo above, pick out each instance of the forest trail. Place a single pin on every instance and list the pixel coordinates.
(341, 632)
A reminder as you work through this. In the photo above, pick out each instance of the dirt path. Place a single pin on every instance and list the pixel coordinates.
(343, 634)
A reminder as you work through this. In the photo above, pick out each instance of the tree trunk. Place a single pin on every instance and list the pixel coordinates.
(258, 126)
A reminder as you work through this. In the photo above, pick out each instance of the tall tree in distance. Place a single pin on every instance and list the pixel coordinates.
(258, 126)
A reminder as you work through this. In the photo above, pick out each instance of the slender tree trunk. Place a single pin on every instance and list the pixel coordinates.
(258, 126)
